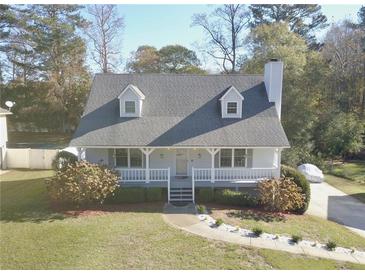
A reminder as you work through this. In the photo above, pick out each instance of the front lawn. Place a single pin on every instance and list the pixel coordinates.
(309, 227)
(352, 170)
(33, 236)
(354, 188)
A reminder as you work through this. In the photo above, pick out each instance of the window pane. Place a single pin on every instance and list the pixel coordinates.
(121, 157)
(130, 107)
(239, 157)
(226, 158)
(136, 157)
(232, 107)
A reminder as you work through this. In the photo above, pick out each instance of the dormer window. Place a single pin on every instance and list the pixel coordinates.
(130, 102)
(232, 107)
(130, 106)
(231, 103)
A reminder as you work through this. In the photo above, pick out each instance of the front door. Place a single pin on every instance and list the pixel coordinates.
(181, 162)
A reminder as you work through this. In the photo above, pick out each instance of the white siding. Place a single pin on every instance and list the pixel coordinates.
(3, 131)
(98, 156)
(197, 158)
(129, 95)
(163, 158)
(263, 157)
(231, 96)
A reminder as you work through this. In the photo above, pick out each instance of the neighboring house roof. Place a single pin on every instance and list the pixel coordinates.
(179, 110)
(4, 111)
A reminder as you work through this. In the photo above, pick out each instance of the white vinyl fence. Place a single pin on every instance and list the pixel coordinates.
(30, 158)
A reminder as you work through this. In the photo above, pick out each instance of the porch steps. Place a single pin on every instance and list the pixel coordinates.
(181, 194)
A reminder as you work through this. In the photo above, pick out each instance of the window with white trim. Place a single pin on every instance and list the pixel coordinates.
(233, 157)
(240, 157)
(121, 157)
(232, 108)
(226, 158)
(136, 157)
(129, 158)
(130, 106)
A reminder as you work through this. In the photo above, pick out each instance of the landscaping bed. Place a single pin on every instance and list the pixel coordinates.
(307, 226)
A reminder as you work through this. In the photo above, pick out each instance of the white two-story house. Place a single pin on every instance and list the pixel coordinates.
(185, 131)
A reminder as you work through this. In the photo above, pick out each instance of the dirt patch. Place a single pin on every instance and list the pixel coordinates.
(97, 210)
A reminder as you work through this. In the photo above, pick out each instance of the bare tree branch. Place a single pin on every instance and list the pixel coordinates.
(104, 31)
(223, 29)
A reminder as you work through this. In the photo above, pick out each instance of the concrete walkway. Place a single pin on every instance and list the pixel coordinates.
(332, 204)
(185, 218)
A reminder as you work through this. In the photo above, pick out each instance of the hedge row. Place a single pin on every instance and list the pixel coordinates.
(137, 195)
(226, 197)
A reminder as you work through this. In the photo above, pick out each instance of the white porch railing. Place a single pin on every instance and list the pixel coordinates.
(139, 174)
(232, 174)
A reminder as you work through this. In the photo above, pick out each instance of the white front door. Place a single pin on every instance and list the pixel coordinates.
(181, 162)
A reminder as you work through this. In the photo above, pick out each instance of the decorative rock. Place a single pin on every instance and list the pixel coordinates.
(269, 237)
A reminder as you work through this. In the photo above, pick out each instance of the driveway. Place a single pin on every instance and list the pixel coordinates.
(332, 204)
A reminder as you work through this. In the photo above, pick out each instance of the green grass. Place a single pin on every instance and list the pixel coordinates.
(353, 188)
(309, 227)
(33, 236)
(353, 171)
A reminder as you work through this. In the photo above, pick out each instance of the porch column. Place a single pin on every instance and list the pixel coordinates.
(212, 152)
(147, 152)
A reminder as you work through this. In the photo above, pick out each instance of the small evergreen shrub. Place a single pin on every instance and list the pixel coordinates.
(201, 209)
(82, 183)
(154, 194)
(62, 160)
(296, 238)
(218, 222)
(128, 195)
(235, 198)
(300, 181)
(331, 245)
(205, 195)
(280, 195)
(257, 231)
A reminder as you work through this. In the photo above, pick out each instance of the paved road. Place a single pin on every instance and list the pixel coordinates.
(332, 204)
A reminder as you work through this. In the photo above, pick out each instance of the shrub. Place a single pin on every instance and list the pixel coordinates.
(201, 209)
(235, 198)
(218, 222)
(154, 194)
(331, 245)
(301, 182)
(257, 231)
(296, 238)
(82, 183)
(280, 195)
(205, 195)
(62, 160)
(128, 195)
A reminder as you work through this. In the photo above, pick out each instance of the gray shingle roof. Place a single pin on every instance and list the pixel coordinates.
(179, 110)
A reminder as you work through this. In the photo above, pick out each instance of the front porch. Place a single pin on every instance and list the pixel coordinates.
(183, 169)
